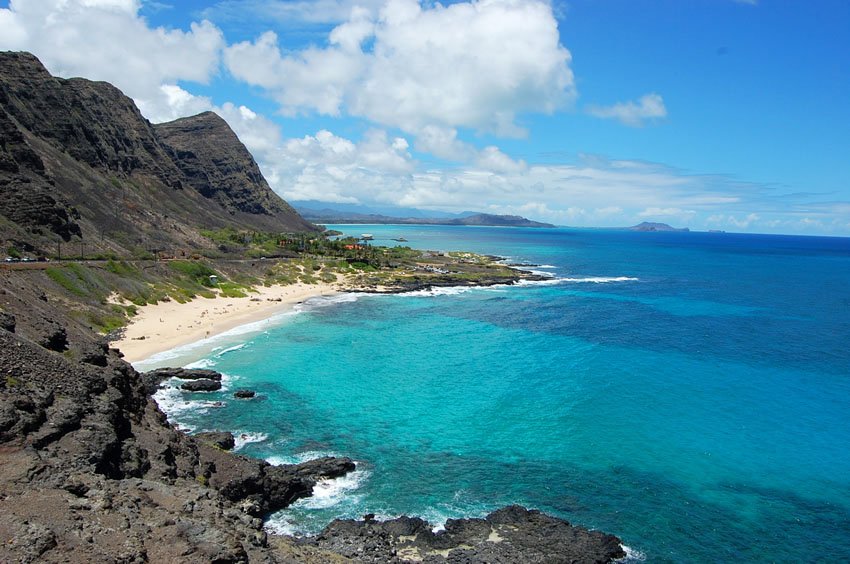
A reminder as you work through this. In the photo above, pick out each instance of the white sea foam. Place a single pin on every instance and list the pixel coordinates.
(174, 404)
(229, 349)
(331, 492)
(440, 291)
(632, 555)
(164, 358)
(202, 363)
(541, 272)
(338, 493)
(257, 326)
(281, 524)
(552, 281)
(325, 301)
(300, 457)
(243, 438)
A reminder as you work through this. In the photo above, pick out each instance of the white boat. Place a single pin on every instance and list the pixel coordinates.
(366, 236)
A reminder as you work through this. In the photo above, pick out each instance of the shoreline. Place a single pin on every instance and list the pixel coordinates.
(165, 326)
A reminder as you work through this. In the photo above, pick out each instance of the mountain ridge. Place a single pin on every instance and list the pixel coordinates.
(329, 215)
(80, 162)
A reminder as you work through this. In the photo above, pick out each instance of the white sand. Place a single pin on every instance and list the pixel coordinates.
(168, 325)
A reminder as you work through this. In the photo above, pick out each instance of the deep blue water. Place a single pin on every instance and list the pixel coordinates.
(689, 392)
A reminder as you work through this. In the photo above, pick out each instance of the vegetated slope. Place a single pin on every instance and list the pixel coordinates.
(79, 161)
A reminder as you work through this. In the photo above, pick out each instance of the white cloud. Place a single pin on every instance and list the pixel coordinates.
(172, 103)
(108, 40)
(127, 6)
(324, 166)
(316, 79)
(13, 34)
(494, 160)
(473, 64)
(635, 114)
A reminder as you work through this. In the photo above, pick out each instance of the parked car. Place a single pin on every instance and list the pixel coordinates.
(12, 259)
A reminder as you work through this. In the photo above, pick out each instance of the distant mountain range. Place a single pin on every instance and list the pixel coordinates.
(328, 215)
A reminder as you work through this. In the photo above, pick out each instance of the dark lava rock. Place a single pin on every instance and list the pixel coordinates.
(201, 386)
(184, 374)
(154, 378)
(221, 439)
(95, 353)
(244, 394)
(7, 321)
(51, 335)
(511, 534)
(262, 488)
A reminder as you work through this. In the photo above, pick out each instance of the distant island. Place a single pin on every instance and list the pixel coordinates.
(483, 219)
(653, 226)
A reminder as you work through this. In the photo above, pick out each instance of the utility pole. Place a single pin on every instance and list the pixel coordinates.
(58, 250)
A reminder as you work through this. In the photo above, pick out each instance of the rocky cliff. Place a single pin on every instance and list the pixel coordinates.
(219, 167)
(90, 470)
(78, 160)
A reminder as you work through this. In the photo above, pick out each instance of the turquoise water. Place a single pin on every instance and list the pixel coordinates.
(688, 392)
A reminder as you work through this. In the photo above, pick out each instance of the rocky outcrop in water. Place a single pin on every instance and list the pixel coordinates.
(183, 374)
(201, 385)
(511, 534)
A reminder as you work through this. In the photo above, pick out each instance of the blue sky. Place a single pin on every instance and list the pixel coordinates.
(711, 114)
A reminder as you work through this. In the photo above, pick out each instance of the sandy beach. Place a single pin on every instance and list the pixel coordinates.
(166, 325)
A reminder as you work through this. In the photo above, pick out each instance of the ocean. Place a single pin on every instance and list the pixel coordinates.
(688, 392)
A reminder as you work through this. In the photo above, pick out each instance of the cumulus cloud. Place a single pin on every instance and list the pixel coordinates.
(472, 64)
(108, 40)
(635, 114)
(324, 166)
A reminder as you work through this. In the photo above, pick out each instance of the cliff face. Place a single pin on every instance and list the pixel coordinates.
(77, 159)
(219, 167)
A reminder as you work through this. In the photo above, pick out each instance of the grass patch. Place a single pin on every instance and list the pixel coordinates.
(80, 281)
(232, 290)
(199, 272)
(105, 322)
